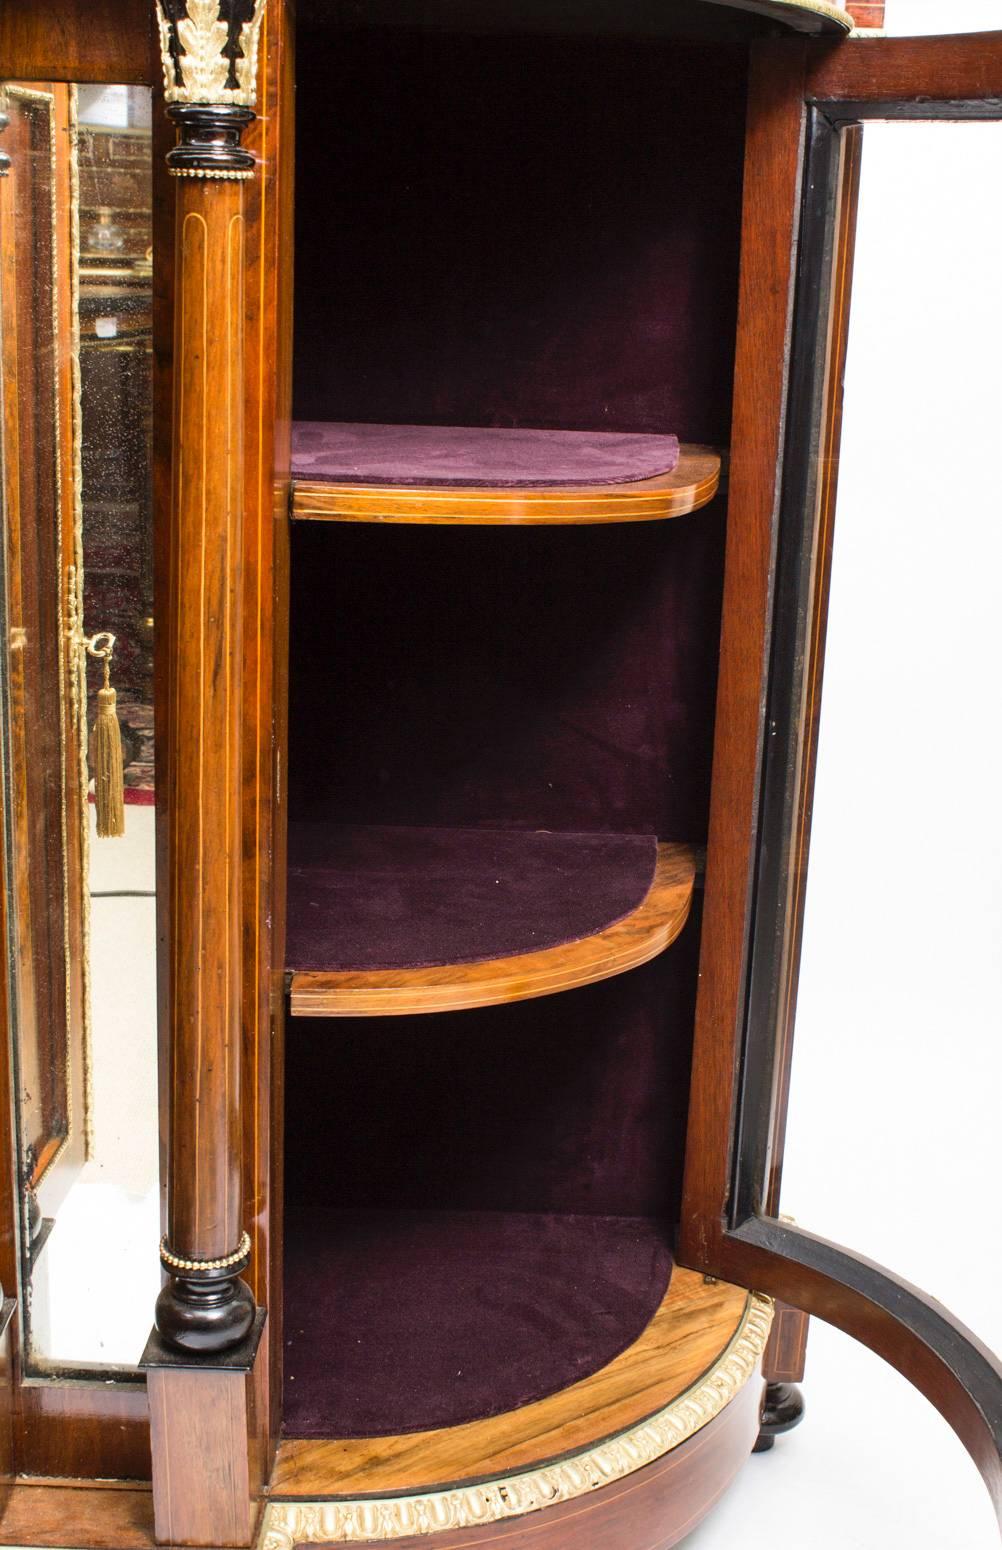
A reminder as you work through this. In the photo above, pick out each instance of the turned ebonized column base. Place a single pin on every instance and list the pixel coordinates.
(204, 1307)
(782, 1410)
(205, 1315)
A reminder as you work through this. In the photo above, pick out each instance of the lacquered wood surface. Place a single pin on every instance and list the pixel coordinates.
(652, 1509)
(692, 1327)
(649, 1511)
(54, 1514)
(920, 70)
(267, 432)
(204, 715)
(90, 1431)
(207, 1444)
(785, 1359)
(773, 170)
(78, 40)
(640, 936)
(691, 485)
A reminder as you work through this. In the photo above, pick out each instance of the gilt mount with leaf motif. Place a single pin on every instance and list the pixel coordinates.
(210, 50)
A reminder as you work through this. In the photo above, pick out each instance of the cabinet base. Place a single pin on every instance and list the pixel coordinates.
(646, 1486)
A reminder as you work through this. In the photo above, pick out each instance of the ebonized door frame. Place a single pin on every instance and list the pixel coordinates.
(807, 104)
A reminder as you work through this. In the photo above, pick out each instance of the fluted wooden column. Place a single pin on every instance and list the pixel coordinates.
(210, 53)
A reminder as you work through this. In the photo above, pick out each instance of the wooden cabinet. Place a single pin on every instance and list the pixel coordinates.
(477, 345)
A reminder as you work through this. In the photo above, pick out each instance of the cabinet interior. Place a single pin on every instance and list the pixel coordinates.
(492, 728)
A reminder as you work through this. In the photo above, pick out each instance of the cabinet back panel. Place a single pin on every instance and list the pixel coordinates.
(573, 1103)
(510, 230)
(527, 678)
(518, 230)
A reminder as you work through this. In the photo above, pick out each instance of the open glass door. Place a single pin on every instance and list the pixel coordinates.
(860, 652)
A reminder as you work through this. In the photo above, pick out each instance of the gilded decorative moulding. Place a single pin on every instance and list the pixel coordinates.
(210, 49)
(288, 1524)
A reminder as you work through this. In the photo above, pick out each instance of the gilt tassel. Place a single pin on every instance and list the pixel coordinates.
(109, 782)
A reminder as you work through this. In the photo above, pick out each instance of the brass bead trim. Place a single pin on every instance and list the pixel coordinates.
(288, 1524)
(199, 172)
(173, 1262)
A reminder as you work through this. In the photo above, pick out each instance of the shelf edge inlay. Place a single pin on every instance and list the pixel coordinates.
(626, 944)
(690, 486)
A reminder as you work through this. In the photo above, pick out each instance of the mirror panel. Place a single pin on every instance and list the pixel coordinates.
(75, 310)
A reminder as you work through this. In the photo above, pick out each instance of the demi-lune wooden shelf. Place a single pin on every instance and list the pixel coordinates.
(696, 1356)
(625, 944)
(692, 484)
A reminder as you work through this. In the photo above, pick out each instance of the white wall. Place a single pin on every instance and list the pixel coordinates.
(928, 16)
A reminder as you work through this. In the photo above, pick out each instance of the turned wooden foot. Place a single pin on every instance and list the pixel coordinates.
(782, 1410)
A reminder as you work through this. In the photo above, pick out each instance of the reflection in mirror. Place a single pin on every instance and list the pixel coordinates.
(893, 1133)
(75, 313)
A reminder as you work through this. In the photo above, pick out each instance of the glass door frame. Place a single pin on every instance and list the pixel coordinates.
(807, 108)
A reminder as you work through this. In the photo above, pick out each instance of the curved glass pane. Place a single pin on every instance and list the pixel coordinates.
(892, 1145)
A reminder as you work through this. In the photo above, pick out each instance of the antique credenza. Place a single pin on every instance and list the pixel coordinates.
(477, 882)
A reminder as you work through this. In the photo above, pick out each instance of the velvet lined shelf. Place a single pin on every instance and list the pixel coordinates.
(461, 1293)
(393, 921)
(450, 474)
(684, 1348)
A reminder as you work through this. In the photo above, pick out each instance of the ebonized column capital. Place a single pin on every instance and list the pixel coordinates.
(209, 141)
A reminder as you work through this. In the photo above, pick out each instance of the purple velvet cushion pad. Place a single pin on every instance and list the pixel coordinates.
(379, 898)
(404, 1321)
(458, 455)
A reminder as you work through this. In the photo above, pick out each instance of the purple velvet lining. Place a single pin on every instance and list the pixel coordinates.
(537, 231)
(368, 898)
(404, 1321)
(573, 1103)
(416, 455)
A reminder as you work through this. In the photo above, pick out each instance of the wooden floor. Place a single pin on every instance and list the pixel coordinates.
(638, 937)
(691, 485)
(693, 1326)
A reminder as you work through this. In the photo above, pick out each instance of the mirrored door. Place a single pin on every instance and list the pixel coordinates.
(79, 759)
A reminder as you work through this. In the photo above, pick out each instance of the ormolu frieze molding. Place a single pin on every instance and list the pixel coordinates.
(288, 1524)
(209, 50)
